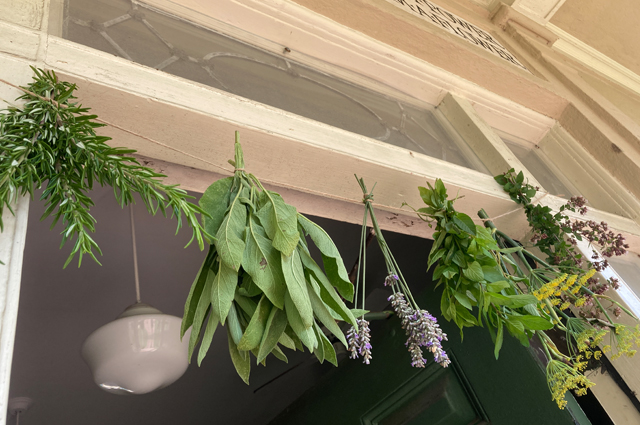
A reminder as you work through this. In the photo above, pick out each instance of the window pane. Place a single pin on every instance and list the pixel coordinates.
(536, 165)
(187, 50)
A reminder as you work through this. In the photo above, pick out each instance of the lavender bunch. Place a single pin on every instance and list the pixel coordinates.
(422, 331)
(420, 326)
(360, 341)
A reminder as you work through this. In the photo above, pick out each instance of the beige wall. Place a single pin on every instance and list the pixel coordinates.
(610, 27)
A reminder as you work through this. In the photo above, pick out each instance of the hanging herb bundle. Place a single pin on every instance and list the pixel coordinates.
(420, 326)
(489, 282)
(51, 140)
(260, 279)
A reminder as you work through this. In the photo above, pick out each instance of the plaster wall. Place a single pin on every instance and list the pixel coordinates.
(609, 27)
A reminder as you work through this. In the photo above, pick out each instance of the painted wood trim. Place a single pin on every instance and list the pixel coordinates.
(587, 174)
(489, 147)
(582, 52)
(12, 243)
(538, 10)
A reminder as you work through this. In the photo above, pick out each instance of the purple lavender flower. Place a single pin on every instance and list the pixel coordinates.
(391, 280)
(354, 343)
(364, 340)
(422, 331)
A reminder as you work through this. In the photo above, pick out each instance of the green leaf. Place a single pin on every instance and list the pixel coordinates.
(223, 290)
(327, 292)
(433, 257)
(230, 236)
(319, 351)
(499, 338)
(253, 333)
(212, 325)
(296, 286)
(534, 323)
(305, 334)
(249, 288)
(329, 351)
(474, 272)
(292, 335)
(241, 359)
(333, 264)
(492, 273)
(262, 262)
(276, 324)
(465, 223)
(277, 352)
(425, 194)
(323, 314)
(463, 299)
(200, 313)
(196, 292)
(287, 341)
(513, 301)
(498, 286)
(215, 201)
(279, 221)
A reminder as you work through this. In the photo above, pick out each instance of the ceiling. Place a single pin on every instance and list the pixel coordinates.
(60, 308)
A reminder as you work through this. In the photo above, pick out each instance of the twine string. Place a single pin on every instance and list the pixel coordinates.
(229, 171)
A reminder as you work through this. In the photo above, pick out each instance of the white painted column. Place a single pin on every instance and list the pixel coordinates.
(12, 242)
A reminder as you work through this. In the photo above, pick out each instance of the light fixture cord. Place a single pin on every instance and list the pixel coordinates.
(18, 417)
(135, 255)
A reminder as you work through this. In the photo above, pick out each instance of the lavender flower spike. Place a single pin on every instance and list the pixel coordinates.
(364, 341)
(354, 343)
(391, 280)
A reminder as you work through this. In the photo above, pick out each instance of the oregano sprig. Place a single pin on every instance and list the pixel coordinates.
(51, 140)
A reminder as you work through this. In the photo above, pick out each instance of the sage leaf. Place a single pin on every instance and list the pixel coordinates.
(287, 341)
(277, 352)
(262, 262)
(293, 337)
(246, 304)
(201, 313)
(279, 221)
(329, 351)
(196, 292)
(214, 202)
(319, 351)
(230, 236)
(256, 328)
(223, 290)
(212, 325)
(296, 287)
(323, 314)
(248, 287)
(305, 334)
(234, 326)
(333, 264)
(327, 292)
(274, 329)
(241, 359)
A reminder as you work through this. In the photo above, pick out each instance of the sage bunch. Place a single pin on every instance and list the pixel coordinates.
(259, 279)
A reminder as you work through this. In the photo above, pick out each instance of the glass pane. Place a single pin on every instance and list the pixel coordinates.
(190, 51)
(541, 171)
(628, 267)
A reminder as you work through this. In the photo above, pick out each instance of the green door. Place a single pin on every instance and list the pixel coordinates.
(475, 389)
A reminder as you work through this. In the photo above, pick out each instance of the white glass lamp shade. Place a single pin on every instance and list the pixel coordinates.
(137, 353)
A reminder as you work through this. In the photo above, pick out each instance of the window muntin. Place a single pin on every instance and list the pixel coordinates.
(187, 50)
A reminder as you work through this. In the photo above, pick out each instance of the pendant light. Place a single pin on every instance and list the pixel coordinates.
(141, 350)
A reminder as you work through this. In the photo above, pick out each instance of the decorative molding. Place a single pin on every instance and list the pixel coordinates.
(538, 10)
(582, 52)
